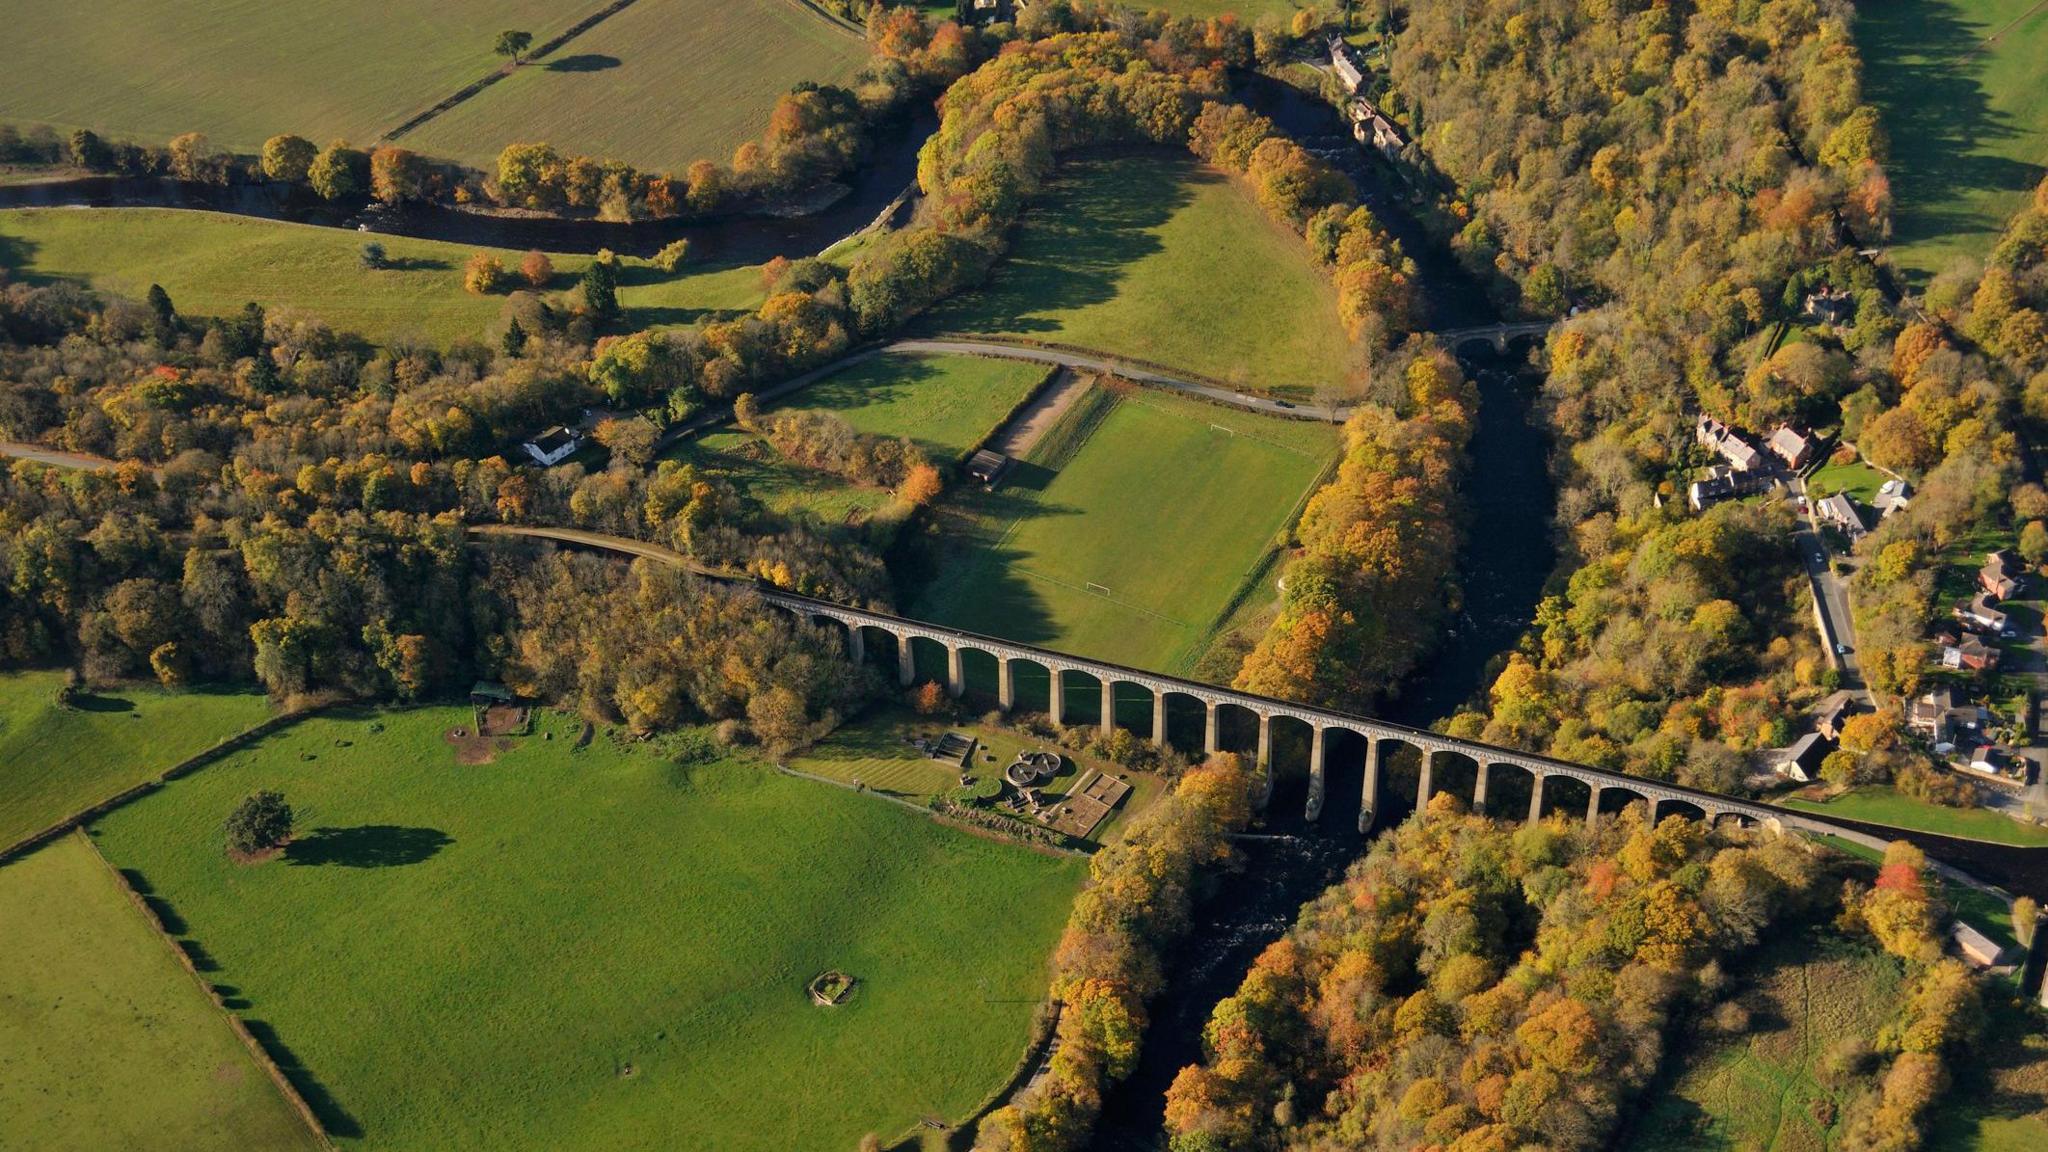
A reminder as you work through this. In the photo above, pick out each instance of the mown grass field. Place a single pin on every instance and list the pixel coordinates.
(1153, 256)
(1885, 805)
(1163, 505)
(213, 263)
(241, 71)
(640, 933)
(1771, 1088)
(947, 404)
(105, 1041)
(660, 84)
(1959, 85)
(57, 761)
(1997, 1101)
(1858, 479)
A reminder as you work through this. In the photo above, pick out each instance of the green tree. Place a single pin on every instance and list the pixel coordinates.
(287, 157)
(166, 316)
(601, 288)
(513, 45)
(2034, 541)
(90, 152)
(515, 339)
(339, 172)
(260, 822)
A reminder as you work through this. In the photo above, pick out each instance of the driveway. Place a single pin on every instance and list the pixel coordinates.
(1831, 591)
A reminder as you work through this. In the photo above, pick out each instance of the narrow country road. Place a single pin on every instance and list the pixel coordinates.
(54, 457)
(1832, 593)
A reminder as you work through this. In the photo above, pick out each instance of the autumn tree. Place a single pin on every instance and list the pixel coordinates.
(287, 158)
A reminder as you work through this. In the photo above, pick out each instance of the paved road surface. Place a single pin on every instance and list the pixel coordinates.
(52, 456)
(1833, 593)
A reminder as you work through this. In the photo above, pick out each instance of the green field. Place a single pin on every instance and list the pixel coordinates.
(947, 404)
(1163, 504)
(1999, 1101)
(241, 71)
(105, 1041)
(1960, 87)
(212, 264)
(661, 84)
(637, 933)
(1155, 257)
(1770, 1088)
(57, 761)
(1884, 805)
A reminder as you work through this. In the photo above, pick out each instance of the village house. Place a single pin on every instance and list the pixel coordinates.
(1985, 759)
(1372, 128)
(1842, 512)
(1801, 761)
(1892, 495)
(1723, 483)
(1830, 306)
(1980, 614)
(1938, 717)
(1970, 655)
(1834, 711)
(1791, 447)
(1344, 62)
(1739, 453)
(552, 446)
(2001, 574)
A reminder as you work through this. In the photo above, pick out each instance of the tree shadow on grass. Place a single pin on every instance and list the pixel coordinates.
(333, 1117)
(89, 702)
(1076, 245)
(584, 62)
(368, 846)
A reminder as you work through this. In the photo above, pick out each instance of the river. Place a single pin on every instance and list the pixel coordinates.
(890, 167)
(1506, 558)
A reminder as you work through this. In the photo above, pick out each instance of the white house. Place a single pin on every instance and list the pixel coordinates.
(552, 446)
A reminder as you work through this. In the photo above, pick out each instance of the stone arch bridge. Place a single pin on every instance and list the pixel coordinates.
(1489, 762)
(1499, 335)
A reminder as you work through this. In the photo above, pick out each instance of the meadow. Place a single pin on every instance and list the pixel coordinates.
(1156, 257)
(1959, 85)
(241, 71)
(640, 931)
(1885, 805)
(105, 1041)
(213, 263)
(1127, 531)
(1770, 1087)
(57, 761)
(946, 404)
(660, 84)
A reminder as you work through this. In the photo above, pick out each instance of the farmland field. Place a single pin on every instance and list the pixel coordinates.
(639, 932)
(1884, 805)
(660, 84)
(947, 404)
(241, 71)
(105, 1042)
(1770, 1087)
(212, 263)
(1127, 536)
(1960, 87)
(1155, 257)
(57, 761)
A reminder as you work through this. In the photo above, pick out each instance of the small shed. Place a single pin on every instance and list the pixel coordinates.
(1975, 946)
(986, 468)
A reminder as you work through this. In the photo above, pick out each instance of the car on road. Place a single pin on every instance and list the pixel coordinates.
(1820, 558)
(2009, 634)
(1841, 649)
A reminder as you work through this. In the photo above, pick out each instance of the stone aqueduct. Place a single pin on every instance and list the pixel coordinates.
(1321, 722)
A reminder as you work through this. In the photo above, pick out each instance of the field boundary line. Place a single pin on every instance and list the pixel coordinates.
(257, 1051)
(190, 764)
(2015, 22)
(929, 814)
(1148, 402)
(470, 90)
(1112, 597)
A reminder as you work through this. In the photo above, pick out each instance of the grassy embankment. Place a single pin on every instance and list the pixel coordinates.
(640, 932)
(659, 85)
(1153, 256)
(946, 404)
(57, 761)
(211, 264)
(104, 1041)
(1959, 85)
(1127, 531)
(1885, 805)
(243, 72)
